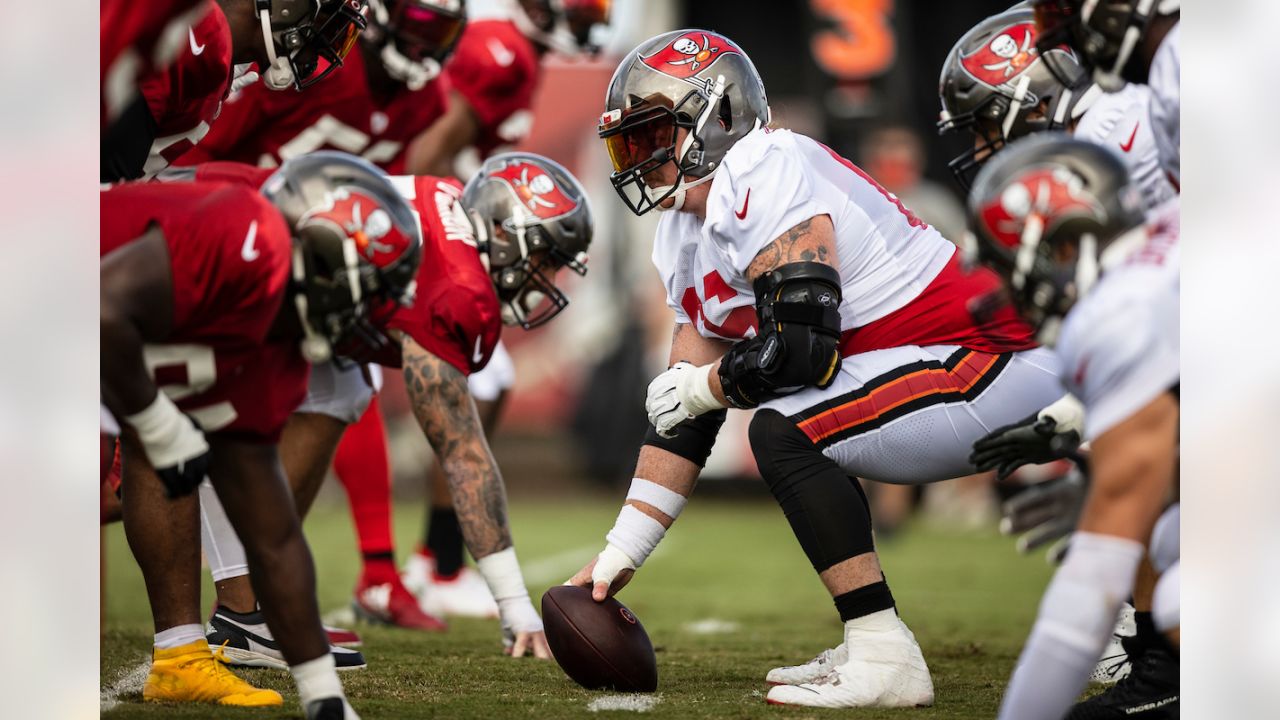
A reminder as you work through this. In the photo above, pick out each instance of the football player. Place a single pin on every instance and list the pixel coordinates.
(802, 288)
(214, 299)
(493, 74)
(1135, 41)
(295, 43)
(136, 39)
(492, 249)
(1064, 224)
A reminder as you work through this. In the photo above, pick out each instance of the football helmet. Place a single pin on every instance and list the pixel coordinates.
(307, 39)
(356, 251)
(693, 80)
(1104, 32)
(571, 27)
(415, 36)
(531, 218)
(1049, 214)
(996, 84)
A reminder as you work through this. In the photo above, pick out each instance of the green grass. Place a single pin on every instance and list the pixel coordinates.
(968, 597)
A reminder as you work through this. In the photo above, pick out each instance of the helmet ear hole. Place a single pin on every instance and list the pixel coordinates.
(725, 114)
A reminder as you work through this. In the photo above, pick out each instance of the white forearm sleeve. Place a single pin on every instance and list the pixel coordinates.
(1076, 617)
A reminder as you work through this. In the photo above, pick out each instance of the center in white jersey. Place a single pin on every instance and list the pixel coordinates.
(770, 182)
(1122, 122)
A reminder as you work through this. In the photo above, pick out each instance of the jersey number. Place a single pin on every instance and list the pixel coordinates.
(332, 132)
(198, 368)
(740, 320)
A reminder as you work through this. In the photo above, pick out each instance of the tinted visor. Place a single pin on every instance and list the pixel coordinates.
(638, 136)
(327, 43)
(423, 33)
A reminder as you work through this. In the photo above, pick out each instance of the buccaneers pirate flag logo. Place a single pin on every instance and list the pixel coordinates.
(536, 190)
(690, 54)
(1054, 195)
(1007, 56)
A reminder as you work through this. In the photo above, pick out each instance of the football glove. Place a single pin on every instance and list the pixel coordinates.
(1045, 512)
(681, 393)
(1051, 434)
(174, 445)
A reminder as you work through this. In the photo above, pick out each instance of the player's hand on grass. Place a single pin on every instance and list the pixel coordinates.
(522, 629)
(1051, 434)
(606, 574)
(532, 643)
(1045, 512)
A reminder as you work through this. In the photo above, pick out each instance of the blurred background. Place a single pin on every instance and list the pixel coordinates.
(861, 75)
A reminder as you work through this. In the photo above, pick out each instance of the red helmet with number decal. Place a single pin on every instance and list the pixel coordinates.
(996, 84)
(531, 218)
(695, 80)
(1049, 213)
(356, 251)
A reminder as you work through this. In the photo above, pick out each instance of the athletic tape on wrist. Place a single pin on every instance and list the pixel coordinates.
(518, 614)
(157, 421)
(668, 501)
(635, 534)
(501, 571)
(694, 390)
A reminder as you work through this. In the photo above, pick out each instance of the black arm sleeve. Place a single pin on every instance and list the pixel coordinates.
(127, 143)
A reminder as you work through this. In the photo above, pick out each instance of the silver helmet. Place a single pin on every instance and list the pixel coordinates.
(1105, 32)
(414, 37)
(306, 40)
(998, 85)
(1049, 214)
(357, 246)
(531, 218)
(692, 80)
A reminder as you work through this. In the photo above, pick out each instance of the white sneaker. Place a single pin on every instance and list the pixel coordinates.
(1114, 664)
(416, 574)
(885, 668)
(463, 595)
(243, 639)
(812, 671)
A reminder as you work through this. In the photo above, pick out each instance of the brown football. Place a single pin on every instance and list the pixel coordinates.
(602, 646)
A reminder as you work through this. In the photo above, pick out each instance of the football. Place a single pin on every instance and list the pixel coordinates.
(601, 646)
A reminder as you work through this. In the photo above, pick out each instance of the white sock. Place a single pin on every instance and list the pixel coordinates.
(880, 621)
(179, 635)
(317, 679)
(222, 548)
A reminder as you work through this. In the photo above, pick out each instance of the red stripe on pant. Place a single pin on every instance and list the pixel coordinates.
(363, 466)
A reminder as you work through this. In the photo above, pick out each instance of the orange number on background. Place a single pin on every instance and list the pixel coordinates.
(862, 46)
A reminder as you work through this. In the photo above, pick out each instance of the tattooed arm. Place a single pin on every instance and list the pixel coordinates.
(443, 406)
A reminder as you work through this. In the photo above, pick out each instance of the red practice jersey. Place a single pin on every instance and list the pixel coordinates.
(185, 98)
(263, 127)
(229, 254)
(135, 39)
(495, 67)
(455, 314)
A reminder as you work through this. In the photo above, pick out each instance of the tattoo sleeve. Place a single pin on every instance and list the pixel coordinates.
(813, 240)
(443, 406)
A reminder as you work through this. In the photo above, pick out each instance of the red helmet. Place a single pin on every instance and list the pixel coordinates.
(356, 251)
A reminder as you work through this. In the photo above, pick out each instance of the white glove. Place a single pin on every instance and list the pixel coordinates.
(242, 76)
(518, 616)
(609, 564)
(174, 445)
(681, 393)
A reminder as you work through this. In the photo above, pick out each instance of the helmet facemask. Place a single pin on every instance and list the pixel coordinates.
(1106, 53)
(523, 262)
(312, 47)
(415, 37)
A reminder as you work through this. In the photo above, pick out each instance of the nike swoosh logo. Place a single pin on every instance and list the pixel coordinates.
(501, 54)
(247, 251)
(226, 625)
(477, 357)
(742, 214)
(195, 49)
(1126, 147)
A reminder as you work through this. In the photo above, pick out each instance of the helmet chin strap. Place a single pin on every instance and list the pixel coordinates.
(279, 75)
(315, 348)
(713, 100)
(414, 75)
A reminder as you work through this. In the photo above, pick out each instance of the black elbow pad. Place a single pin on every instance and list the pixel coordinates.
(797, 339)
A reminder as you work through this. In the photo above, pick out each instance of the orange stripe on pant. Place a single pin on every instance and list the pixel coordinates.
(898, 391)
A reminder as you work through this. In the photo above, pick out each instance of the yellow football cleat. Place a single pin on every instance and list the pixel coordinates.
(190, 673)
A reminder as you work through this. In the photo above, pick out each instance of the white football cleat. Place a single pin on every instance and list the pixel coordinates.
(885, 668)
(1114, 664)
(463, 595)
(812, 671)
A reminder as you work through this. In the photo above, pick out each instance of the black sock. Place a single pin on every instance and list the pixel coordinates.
(388, 556)
(864, 601)
(444, 540)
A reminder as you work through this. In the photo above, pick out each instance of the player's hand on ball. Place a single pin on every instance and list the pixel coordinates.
(606, 574)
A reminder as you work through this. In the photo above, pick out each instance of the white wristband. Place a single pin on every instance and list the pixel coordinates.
(668, 501)
(1067, 412)
(157, 421)
(635, 534)
(694, 391)
(501, 571)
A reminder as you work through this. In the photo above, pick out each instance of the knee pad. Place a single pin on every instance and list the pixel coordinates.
(1166, 605)
(1166, 545)
(694, 441)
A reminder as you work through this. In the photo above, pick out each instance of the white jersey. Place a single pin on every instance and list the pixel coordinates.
(1119, 345)
(1166, 104)
(771, 181)
(1121, 122)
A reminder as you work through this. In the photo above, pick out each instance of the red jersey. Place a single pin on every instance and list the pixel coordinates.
(229, 254)
(185, 98)
(135, 39)
(495, 67)
(455, 314)
(263, 127)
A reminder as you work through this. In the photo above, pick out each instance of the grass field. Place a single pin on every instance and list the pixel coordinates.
(969, 598)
